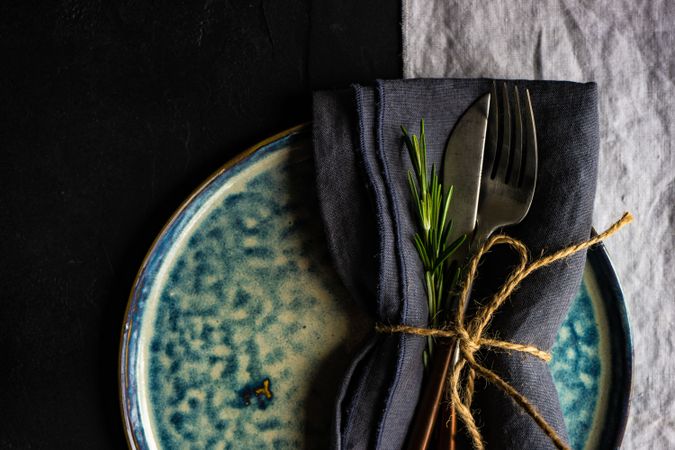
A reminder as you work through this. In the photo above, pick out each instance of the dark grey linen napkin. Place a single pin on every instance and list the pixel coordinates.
(361, 168)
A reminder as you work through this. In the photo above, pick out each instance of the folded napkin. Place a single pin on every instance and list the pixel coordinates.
(361, 168)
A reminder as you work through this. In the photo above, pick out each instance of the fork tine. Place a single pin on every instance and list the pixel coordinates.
(517, 149)
(530, 162)
(492, 134)
(501, 171)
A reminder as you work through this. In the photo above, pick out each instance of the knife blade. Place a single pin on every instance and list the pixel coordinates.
(462, 167)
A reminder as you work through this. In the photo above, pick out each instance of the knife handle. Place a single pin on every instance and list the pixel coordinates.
(428, 415)
(446, 429)
(420, 436)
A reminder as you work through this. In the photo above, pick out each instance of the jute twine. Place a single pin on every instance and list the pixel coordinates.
(470, 335)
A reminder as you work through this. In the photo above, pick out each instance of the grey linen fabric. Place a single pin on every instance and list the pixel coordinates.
(361, 168)
(628, 47)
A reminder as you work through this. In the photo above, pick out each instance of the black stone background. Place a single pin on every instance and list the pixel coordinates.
(111, 113)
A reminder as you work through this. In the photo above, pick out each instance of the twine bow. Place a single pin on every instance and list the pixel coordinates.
(470, 335)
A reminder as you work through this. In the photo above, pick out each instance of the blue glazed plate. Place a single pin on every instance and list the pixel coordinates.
(238, 331)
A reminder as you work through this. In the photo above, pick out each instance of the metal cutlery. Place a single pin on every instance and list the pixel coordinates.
(508, 179)
(462, 166)
(510, 171)
(507, 182)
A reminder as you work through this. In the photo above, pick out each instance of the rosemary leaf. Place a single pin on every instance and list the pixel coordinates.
(431, 202)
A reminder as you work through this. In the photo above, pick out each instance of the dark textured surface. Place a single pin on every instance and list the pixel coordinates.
(567, 130)
(110, 114)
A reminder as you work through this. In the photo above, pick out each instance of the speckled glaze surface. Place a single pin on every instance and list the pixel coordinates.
(238, 330)
(577, 368)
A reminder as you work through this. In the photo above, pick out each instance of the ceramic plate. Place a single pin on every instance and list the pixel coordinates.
(238, 331)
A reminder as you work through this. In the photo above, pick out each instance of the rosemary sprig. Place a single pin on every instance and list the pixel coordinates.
(431, 205)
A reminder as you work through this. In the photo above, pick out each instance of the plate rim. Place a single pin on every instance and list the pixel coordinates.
(126, 330)
(598, 258)
(614, 303)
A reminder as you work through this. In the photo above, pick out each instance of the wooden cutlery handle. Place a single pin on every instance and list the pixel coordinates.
(420, 435)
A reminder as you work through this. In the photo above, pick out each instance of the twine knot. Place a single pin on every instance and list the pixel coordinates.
(469, 335)
(467, 345)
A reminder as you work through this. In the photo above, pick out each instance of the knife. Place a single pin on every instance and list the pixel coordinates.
(462, 166)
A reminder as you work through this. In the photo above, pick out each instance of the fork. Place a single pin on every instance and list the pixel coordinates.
(509, 176)
(508, 181)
